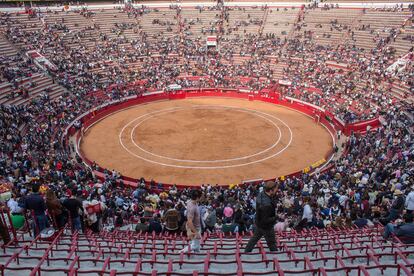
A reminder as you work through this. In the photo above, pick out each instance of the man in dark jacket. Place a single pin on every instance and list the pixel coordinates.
(265, 218)
(404, 231)
(35, 203)
(239, 218)
(74, 206)
(396, 208)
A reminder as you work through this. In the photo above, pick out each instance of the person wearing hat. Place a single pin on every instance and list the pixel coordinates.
(397, 207)
(265, 218)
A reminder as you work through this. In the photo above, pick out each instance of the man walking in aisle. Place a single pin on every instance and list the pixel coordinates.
(35, 203)
(193, 225)
(265, 218)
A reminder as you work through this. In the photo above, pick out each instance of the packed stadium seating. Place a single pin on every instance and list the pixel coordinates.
(328, 27)
(333, 57)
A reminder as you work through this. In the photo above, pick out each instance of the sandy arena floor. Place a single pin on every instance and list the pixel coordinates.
(206, 140)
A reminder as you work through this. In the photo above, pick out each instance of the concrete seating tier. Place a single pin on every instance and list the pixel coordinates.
(375, 25)
(323, 252)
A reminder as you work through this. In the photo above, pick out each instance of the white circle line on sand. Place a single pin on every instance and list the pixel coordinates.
(209, 161)
(205, 167)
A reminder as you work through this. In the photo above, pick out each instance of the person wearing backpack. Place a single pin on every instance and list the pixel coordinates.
(171, 219)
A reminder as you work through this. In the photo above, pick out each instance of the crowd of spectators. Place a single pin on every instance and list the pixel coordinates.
(373, 182)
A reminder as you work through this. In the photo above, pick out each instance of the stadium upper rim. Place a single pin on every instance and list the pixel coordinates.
(155, 4)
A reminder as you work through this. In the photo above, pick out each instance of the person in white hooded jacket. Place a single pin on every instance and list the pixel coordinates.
(409, 201)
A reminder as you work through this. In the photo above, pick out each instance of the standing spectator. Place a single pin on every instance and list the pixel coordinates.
(409, 201)
(93, 213)
(307, 212)
(81, 197)
(74, 207)
(35, 203)
(239, 219)
(55, 208)
(193, 225)
(4, 232)
(265, 218)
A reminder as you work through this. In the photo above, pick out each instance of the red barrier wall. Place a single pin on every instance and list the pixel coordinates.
(327, 119)
(362, 126)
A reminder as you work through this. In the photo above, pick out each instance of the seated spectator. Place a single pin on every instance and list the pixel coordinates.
(228, 211)
(218, 227)
(334, 211)
(228, 226)
(282, 225)
(13, 205)
(359, 221)
(16, 212)
(155, 225)
(148, 210)
(396, 209)
(210, 219)
(119, 220)
(319, 222)
(171, 219)
(142, 226)
(404, 231)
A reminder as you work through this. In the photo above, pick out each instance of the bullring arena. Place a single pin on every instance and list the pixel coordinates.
(207, 140)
